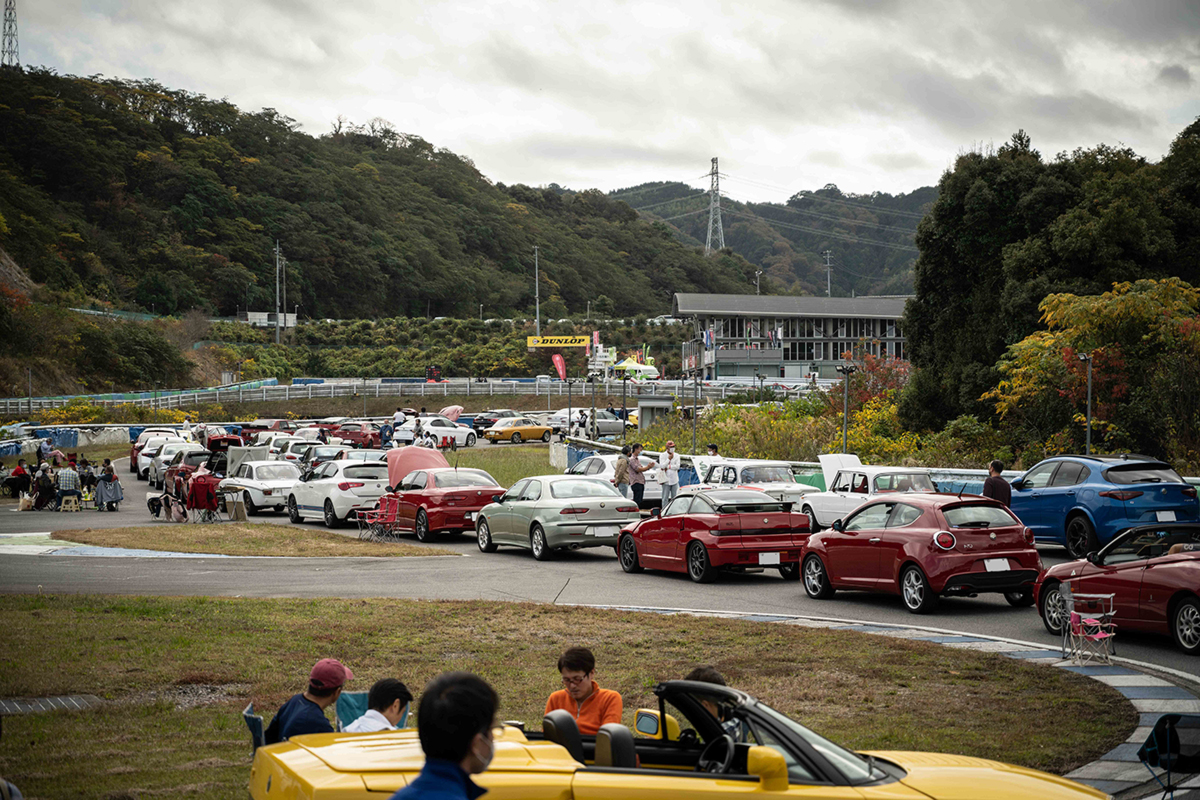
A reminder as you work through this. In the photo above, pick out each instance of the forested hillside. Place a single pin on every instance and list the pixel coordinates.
(870, 236)
(164, 200)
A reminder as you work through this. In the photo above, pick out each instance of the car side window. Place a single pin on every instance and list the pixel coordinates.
(515, 492)
(596, 467)
(904, 514)
(580, 467)
(872, 517)
(533, 491)
(1069, 473)
(713, 476)
(701, 505)
(328, 470)
(730, 475)
(859, 483)
(1039, 476)
(842, 482)
(244, 471)
(417, 481)
(677, 507)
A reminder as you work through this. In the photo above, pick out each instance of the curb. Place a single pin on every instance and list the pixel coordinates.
(1117, 771)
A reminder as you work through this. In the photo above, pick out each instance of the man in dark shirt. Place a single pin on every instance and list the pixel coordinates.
(305, 713)
(995, 486)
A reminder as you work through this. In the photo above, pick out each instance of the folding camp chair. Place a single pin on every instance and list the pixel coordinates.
(1173, 745)
(254, 722)
(1089, 633)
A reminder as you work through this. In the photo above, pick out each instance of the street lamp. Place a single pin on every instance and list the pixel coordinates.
(847, 370)
(1088, 358)
(624, 408)
(757, 273)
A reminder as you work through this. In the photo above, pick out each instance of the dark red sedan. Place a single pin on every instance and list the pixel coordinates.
(443, 499)
(923, 547)
(721, 529)
(1153, 571)
(359, 434)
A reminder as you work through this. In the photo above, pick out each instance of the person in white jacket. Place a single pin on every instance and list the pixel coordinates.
(387, 706)
(668, 466)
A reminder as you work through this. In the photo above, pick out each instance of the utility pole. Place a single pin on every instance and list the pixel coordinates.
(10, 53)
(537, 294)
(714, 210)
(284, 266)
(757, 275)
(846, 370)
(1088, 358)
(276, 291)
(828, 273)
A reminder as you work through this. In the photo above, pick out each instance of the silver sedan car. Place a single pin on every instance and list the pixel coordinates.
(555, 512)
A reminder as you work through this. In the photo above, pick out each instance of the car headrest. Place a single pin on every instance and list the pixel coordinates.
(559, 727)
(614, 747)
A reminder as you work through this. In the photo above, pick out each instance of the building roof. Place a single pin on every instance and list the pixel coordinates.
(687, 305)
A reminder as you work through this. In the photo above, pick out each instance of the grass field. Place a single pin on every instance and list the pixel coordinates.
(175, 673)
(233, 539)
(507, 463)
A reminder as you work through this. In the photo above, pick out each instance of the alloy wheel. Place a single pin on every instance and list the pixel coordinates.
(1187, 625)
(1054, 611)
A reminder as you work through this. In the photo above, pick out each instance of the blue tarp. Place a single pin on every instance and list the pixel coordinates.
(10, 449)
(135, 431)
(306, 381)
(59, 437)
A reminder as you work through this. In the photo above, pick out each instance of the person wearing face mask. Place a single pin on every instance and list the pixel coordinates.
(454, 722)
(668, 465)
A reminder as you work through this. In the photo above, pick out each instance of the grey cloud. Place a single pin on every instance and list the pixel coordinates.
(1175, 75)
(898, 161)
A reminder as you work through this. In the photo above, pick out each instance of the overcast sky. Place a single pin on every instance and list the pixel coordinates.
(873, 95)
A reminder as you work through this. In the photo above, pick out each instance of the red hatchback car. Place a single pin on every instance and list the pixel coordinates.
(359, 434)
(1153, 571)
(730, 529)
(924, 546)
(443, 499)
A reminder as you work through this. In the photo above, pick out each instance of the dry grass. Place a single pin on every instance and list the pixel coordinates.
(864, 691)
(236, 539)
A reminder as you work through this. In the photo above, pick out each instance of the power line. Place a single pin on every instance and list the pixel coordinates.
(698, 193)
(818, 231)
(681, 216)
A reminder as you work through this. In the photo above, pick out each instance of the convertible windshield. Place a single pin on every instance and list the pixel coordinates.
(856, 768)
(767, 475)
(277, 472)
(463, 477)
(979, 516)
(582, 488)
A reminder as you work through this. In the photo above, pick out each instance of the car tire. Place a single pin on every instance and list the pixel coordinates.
(331, 517)
(1053, 609)
(483, 537)
(816, 579)
(915, 591)
(1185, 625)
(1020, 599)
(293, 511)
(1080, 536)
(132, 465)
(470, 440)
(627, 553)
(699, 565)
(813, 525)
(537, 542)
(516, 438)
(546, 437)
(251, 509)
(790, 572)
(421, 527)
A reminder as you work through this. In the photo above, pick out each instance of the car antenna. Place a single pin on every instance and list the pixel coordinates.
(963, 489)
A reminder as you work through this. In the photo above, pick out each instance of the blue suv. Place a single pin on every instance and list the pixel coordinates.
(1083, 501)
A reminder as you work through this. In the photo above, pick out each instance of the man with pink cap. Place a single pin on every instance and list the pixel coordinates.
(305, 713)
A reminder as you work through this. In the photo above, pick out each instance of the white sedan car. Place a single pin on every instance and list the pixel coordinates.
(773, 477)
(441, 427)
(604, 466)
(158, 464)
(851, 484)
(264, 484)
(335, 490)
(146, 457)
(606, 424)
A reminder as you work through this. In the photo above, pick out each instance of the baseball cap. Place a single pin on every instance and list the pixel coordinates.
(671, 443)
(329, 673)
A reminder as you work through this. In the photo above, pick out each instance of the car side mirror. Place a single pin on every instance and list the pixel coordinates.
(648, 722)
(497, 498)
(837, 525)
(768, 764)
(654, 512)
(1018, 484)
(1093, 557)
(391, 489)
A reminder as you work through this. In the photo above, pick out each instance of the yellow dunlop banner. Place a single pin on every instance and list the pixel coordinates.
(558, 341)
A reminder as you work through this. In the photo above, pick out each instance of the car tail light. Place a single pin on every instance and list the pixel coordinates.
(574, 511)
(1189, 491)
(627, 509)
(1028, 532)
(1122, 494)
(346, 486)
(268, 491)
(944, 540)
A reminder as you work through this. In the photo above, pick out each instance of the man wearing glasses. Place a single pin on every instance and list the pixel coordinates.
(590, 705)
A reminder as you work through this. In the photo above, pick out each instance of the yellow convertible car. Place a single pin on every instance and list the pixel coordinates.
(733, 746)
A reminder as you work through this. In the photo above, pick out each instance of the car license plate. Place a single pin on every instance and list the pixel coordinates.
(1165, 516)
(768, 558)
(995, 564)
(604, 530)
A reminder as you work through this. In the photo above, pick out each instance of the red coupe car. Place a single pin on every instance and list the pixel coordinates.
(443, 499)
(1153, 571)
(722, 529)
(922, 547)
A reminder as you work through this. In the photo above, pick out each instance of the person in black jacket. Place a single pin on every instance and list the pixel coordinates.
(995, 486)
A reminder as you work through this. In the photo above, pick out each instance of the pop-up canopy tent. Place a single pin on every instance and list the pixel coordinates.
(403, 460)
(636, 370)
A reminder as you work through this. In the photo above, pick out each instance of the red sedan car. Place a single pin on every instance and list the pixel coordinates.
(922, 547)
(443, 499)
(1154, 573)
(359, 434)
(721, 529)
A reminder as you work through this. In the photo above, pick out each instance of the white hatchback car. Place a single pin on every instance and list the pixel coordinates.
(604, 466)
(149, 451)
(264, 484)
(337, 489)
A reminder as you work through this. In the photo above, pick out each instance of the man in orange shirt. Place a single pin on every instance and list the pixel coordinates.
(590, 705)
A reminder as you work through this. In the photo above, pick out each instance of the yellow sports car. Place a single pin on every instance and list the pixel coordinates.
(517, 429)
(733, 746)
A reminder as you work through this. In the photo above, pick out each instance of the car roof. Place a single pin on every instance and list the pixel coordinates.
(1123, 458)
(934, 499)
(877, 470)
(720, 496)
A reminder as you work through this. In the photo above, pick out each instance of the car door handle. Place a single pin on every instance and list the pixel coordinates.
(875, 540)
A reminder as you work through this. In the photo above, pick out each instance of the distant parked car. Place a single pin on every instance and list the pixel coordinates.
(358, 433)
(335, 490)
(517, 430)
(851, 484)
(264, 484)
(1082, 502)
(442, 428)
(606, 423)
(486, 419)
(149, 450)
(604, 466)
(430, 501)
(773, 477)
(158, 464)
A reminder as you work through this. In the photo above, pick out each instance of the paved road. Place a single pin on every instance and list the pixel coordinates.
(586, 576)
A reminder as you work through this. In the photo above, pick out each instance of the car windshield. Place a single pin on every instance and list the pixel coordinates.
(582, 487)
(324, 452)
(904, 482)
(463, 477)
(1147, 473)
(370, 472)
(196, 459)
(856, 768)
(506, 422)
(767, 475)
(978, 516)
(277, 472)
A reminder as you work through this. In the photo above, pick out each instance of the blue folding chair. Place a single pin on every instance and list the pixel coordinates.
(352, 705)
(254, 722)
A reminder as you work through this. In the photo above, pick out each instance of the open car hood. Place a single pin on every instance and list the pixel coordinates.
(832, 462)
(951, 777)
